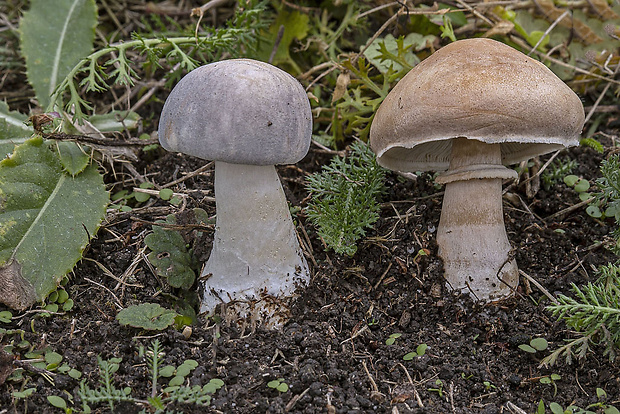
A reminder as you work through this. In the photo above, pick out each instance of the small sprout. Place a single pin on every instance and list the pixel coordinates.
(23, 394)
(420, 350)
(143, 197)
(536, 344)
(53, 360)
(551, 379)
(56, 401)
(75, 374)
(279, 385)
(68, 305)
(213, 385)
(439, 389)
(165, 194)
(6, 316)
(488, 386)
(392, 338)
(63, 296)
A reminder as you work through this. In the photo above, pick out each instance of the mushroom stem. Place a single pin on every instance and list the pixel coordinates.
(471, 235)
(255, 252)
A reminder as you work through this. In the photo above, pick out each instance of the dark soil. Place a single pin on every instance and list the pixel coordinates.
(332, 353)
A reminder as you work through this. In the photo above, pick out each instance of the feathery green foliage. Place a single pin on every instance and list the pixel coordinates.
(609, 194)
(156, 401)
(594, 312)
(345, 198)
(183, 53)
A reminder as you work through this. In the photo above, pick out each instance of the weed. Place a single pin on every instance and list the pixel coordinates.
(278, 384)
(345, 197)
(420, 351)
(156, 401)
(557, 171)
(439, 388)
(392, 338)
(594, 313)
(535, 345)
(551, 379)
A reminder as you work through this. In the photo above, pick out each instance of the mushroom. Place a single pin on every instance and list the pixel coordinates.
(247, 116)
(469, 109)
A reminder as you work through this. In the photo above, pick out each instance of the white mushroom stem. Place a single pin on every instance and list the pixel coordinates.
(471, 235)
(255, 252)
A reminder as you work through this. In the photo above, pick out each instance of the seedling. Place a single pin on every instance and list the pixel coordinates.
(420, 350)
(439, 390)
(551, 379)
(535, 345)
(5, 317)
(278, 384)
(557, 171)
(175, 393)
(488, 386)
(392, 338)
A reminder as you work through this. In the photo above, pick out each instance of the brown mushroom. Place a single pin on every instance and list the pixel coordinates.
(469, 109)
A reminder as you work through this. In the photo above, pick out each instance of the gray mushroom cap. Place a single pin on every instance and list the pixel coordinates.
(477, 89)
(238, 111)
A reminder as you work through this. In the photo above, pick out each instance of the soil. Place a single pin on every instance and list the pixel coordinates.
(333, 353)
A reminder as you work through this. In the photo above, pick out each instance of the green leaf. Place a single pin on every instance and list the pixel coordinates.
(46, 220)
(73, 157)
(6, 316)
(170, 256)
(540, 344)
(23, 394)
(13, 131)
(527, 348)
(421, 349)
(53, 357)
(409, 356)
(74, 373)
(167, 371)
(295, 27)
(581, 186)
(148, 316)
(176, 381)
(571, 180)
(165, 194)
(55, 35)
(556, 408)
(57, 401)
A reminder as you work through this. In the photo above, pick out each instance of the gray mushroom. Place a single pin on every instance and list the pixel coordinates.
(247, 116)
(469, 109)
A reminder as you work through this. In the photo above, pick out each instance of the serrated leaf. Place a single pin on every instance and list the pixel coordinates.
(55, 35)
(13, 131)
(170, 257)
(46, 218)
(148, 316)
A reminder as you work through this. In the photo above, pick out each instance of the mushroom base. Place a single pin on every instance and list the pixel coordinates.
(256, 262)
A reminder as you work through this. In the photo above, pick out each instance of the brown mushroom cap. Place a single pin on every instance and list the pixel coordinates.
(239, 111)
(478, 89)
